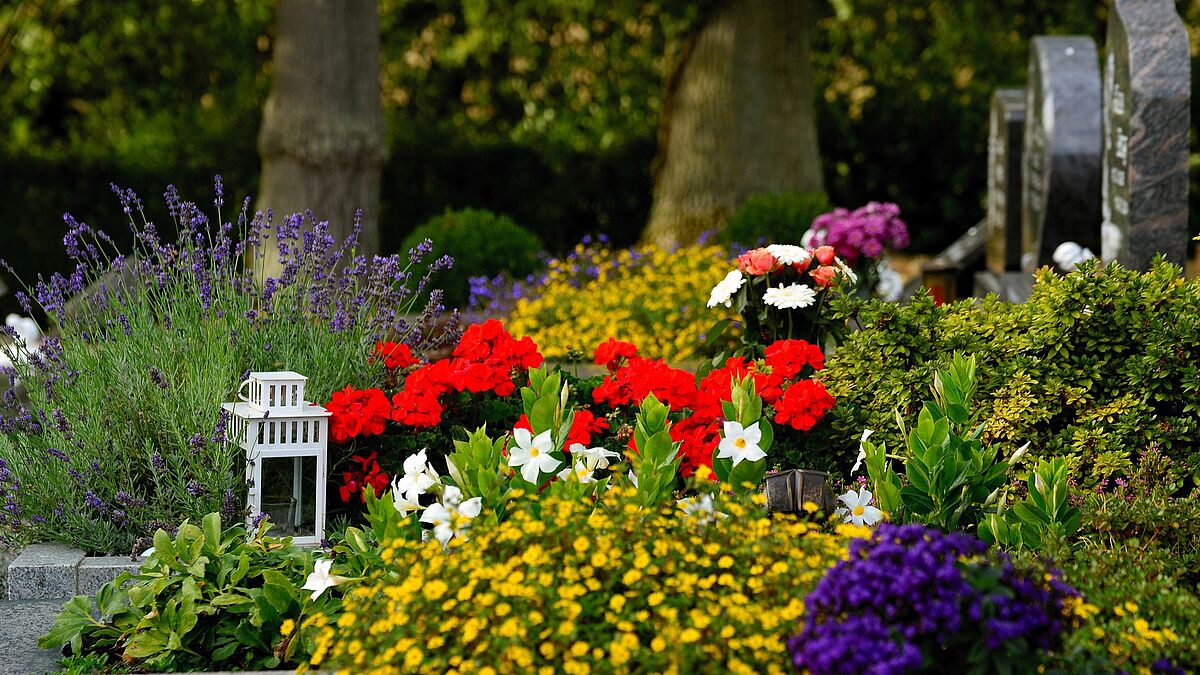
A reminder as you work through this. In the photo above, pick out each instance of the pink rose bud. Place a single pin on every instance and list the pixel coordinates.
(824, 275)
(757, 262)
(824, 255)
(800, 267)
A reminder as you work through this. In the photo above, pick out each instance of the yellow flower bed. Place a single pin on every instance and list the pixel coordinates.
(558, 587)
(649, 296)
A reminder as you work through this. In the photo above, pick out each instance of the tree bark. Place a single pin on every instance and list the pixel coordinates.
(322, 135)
(738, 118)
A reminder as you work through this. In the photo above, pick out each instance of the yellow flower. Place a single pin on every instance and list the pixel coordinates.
(286, 628)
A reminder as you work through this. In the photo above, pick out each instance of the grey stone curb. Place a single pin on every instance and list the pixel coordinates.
(57, 572)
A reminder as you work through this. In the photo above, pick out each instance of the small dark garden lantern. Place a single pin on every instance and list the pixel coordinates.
(787, 491)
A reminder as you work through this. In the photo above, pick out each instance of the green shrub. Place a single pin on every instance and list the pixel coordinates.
(1098, 366)
(481, 243)
(774, 217)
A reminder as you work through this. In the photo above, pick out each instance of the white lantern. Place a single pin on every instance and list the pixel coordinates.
(286, 440)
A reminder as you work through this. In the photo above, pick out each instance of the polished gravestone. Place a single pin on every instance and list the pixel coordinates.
(1060, 197)
(1147, 91)
(1005, 138)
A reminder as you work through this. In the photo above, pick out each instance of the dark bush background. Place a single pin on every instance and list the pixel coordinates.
(144, 94)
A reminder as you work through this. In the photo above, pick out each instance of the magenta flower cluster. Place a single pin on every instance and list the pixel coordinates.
(911, 597)
(865, 232)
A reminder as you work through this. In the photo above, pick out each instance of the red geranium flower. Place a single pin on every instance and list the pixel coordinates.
(395, 354)
(357, 413)
(416, 409)
(803, 405)
(612, 353)
(366, 473)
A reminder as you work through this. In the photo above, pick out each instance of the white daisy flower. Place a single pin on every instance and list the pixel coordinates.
(795, 296)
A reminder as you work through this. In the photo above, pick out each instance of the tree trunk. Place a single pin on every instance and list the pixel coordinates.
(738, 118)
(322, 136)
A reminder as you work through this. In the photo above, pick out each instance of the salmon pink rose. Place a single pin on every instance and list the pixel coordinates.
(757, 262)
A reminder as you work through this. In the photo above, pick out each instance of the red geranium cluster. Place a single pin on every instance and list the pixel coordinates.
(357, 412)
(803, 405)
(366, 473)
(777, 379)
(487, 359)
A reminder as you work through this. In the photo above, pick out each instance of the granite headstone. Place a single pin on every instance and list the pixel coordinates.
(1005, 137)
(1060, 198)
(1147, 91)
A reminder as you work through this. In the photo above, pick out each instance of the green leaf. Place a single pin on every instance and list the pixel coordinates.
(74, 619)
(916, 501)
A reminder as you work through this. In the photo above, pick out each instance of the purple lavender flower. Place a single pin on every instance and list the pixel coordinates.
(158, 462)
(59, 454)
(91, 501)
(157, 377)
(195, 489)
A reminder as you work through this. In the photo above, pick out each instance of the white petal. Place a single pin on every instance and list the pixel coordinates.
(871, 515)
(451, 495)
(443, 532)
(471, 507)
(732, 429)
(530, 472)
(752, 434)
(543, 441)
(726, 448)
(523, 437)
(436, 513)
(753, 453)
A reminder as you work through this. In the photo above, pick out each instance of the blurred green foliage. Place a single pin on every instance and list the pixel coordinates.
(546, 110)
(481, 243)
(774, 218)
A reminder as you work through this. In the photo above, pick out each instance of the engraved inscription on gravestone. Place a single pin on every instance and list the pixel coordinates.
(1005, 137)
(1060, 198)
(1147, 76)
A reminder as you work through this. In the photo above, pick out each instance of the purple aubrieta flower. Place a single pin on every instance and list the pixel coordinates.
(911, 595)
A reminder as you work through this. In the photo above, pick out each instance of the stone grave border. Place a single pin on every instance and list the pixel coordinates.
(57, 572)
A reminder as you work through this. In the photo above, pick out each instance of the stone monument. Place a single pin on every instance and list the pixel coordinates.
(1147, 91)
(1005, 137)
(1060, 198)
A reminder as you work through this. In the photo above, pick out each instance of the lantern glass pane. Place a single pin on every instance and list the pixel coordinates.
(289, 494)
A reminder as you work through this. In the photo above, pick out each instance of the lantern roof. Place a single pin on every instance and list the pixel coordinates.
(247, 411)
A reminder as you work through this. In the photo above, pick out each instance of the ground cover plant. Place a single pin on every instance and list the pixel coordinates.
(112, 429)
(652, 297)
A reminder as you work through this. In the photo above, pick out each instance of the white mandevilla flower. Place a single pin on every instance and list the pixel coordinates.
(581, 472)
(722, 293)
(418, 477)
(596, 457)
(789, 254)
(741, 444)
(862, 452)
(321, 579)
(452, 516)
(532, 454)
(858, 509)
(795, 296)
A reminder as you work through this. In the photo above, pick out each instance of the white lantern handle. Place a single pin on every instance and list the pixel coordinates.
(241, 392)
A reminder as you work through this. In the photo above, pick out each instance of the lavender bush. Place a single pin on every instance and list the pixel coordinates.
(912, 599)
(117, 432)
